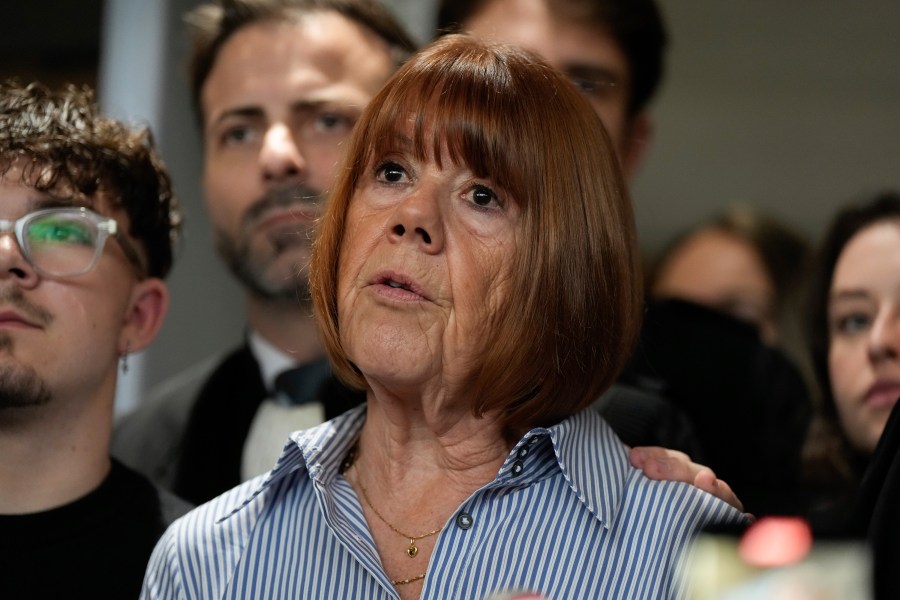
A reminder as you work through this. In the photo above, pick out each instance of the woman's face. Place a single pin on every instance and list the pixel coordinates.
(864, 332)
(425, 266)
(723, 271)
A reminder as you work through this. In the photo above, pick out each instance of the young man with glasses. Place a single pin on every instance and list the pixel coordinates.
(87, 222)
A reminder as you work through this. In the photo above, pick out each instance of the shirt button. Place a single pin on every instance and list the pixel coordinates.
(534, 439)
(464, 520)
(523, 452)
(518, 467)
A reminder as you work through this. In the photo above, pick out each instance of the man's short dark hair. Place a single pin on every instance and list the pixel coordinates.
(68, 146)
(214, 23)
(635, 25)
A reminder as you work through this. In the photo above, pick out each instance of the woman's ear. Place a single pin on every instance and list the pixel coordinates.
(144, 317)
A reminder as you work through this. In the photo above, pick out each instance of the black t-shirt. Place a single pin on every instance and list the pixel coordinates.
(95, 547)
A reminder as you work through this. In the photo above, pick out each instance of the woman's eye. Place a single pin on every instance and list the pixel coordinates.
(390, 172)
(483, 196)
(851, 323)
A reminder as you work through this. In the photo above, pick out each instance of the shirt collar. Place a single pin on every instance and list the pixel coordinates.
(593, 461)
(318, 451)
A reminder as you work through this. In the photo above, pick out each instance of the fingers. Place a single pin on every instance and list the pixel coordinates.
(707, 481)
(663, 464)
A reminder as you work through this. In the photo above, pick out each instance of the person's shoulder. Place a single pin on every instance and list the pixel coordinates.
(587, 443)
(149, 438)
(235, 378)
(143, 495)
(197, 549)
(694, 506)
(183, 387)
(163, 411)
(229, 515)
(307, 454)
(199, 552)
(171, 507)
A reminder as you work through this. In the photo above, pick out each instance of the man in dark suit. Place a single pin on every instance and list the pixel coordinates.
(277, 87)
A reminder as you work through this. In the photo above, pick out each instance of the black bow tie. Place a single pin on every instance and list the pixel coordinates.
(300, 385)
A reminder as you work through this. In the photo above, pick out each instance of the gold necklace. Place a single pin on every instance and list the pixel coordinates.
(412, 550)
(410, 580)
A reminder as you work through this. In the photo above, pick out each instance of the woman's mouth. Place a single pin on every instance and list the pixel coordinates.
(883, 394)
(399, 287)
(397, 284)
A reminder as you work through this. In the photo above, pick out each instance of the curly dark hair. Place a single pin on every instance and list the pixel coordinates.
(68, 145)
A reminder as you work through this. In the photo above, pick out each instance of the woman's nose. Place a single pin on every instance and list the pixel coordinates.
(280, 158)
(884, 337)
(418, 219)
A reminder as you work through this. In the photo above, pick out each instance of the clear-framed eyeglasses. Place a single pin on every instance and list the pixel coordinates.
(67, 241)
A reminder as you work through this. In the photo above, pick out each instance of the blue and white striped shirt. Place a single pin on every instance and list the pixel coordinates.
(566, 516)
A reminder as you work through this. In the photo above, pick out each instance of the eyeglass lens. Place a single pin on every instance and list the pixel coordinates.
(62, 243)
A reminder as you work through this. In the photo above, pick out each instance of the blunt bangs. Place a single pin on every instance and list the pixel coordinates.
(469, 111)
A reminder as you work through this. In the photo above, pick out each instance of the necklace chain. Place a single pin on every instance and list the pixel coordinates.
(409, 580)
(412, 550)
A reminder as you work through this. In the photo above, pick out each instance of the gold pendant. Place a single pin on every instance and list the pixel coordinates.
(412, 550)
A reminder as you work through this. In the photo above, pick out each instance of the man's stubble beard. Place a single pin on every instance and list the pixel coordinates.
(20, 385)
(250, 270)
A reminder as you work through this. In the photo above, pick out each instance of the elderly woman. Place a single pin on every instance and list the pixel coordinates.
(476, 273)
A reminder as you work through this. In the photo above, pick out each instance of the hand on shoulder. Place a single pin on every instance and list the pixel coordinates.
(662, 464)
